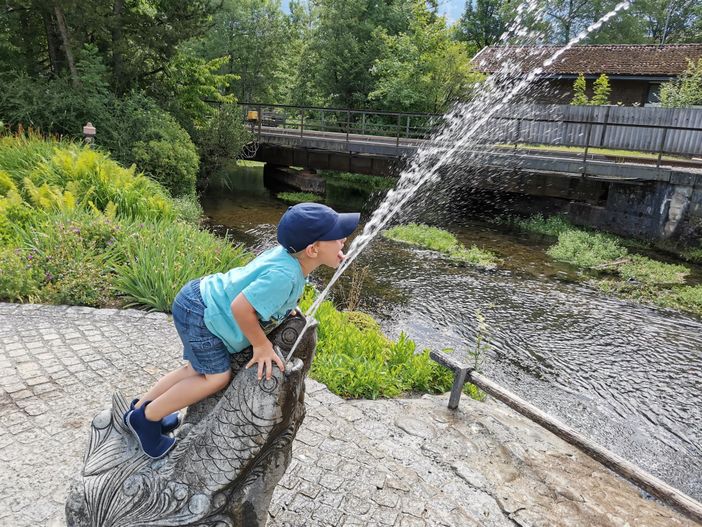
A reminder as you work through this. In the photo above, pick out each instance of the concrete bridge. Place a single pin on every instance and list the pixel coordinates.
(634, 171)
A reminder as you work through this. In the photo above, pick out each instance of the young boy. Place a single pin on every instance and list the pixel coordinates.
(225, 313)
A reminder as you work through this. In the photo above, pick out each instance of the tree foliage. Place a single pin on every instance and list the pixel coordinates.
(601, 91)
(686, 90)
(579, 88)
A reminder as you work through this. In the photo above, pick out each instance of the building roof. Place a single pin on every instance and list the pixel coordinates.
(624, 59)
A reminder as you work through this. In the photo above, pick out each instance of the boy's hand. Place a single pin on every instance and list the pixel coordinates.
(264, 356)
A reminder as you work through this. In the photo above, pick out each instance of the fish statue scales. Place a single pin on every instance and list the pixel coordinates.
(232, 450)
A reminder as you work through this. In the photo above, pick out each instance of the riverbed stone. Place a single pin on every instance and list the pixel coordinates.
(401, 462)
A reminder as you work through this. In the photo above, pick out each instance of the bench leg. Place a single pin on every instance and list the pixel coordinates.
(458, 381)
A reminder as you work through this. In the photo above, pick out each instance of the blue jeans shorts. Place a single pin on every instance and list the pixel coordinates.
(205, 351)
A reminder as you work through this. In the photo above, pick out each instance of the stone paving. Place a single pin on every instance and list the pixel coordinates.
(401, 463)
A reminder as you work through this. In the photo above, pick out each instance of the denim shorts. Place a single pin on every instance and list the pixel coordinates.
(205, 351)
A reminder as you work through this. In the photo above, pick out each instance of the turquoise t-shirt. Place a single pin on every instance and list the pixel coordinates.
(272, 283)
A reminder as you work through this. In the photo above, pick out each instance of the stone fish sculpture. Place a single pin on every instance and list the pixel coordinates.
(232, 450)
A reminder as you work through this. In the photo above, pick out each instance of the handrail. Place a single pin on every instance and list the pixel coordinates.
(405, 126)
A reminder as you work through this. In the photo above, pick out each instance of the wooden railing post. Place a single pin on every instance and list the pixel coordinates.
(587, 146)
(302, 121)
(260, 118)
(348, 125)
(363, 123)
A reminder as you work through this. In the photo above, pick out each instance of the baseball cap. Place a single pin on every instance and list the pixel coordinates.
(306, 223)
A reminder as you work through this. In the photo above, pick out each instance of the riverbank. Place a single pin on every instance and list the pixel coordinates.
(399, 462)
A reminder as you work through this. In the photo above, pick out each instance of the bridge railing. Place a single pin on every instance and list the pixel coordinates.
(398, 125)
(617, 130)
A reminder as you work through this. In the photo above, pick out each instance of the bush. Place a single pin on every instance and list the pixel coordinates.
(551, 226)
(220, 138)
(651, 272)
(19, 279)
(48, 172)
(143, 134)
(684, 91)
(354, 359)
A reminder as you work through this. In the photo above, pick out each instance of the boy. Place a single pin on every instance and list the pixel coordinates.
(225, 313)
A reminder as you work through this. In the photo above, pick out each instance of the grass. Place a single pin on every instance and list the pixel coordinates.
(586, 249)
(549, 226)
(299, 197)
(441, 241)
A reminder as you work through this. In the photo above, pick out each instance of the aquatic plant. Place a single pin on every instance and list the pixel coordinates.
(586, 249)
(299, 197)
(441, 241)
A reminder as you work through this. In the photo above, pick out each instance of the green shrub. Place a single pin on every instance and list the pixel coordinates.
(19, 279)
(221, 138)
(298, 197)
(154, 141)
(362, 182)
(188, 209)
(441, 241)
(354, 358)
(70, 251)
(585, 249)
(92, 179)
(155, 259)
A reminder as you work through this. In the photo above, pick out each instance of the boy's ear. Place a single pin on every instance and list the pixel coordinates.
(311, 250)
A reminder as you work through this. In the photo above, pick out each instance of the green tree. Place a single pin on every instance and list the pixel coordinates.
(579, 87)
(601, 91)
(686, 90)
(483, 22)
(422, 69)
(254, 35)
(345, 45)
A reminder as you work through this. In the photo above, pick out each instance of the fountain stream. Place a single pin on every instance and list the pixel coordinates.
(461, 129)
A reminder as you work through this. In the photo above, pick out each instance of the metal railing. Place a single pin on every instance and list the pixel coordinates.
(648, 130)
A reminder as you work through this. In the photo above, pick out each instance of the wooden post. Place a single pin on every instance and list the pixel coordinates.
(260, 118)
(302, 121)
(322, 124)
(408, 127)
(363, 123)
(348, 125)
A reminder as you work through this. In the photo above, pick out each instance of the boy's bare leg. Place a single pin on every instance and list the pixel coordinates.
(165, 382)
(186, 392)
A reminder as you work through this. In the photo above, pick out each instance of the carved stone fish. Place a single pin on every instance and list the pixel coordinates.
(232, 450)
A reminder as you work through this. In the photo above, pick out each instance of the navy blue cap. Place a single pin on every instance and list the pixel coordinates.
(306, 223)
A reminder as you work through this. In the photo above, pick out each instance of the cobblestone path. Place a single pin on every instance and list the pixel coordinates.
(402, 463)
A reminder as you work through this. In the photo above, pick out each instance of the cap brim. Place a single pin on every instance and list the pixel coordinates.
(345, 224)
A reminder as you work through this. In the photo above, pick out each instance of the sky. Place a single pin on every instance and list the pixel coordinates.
(451, 9)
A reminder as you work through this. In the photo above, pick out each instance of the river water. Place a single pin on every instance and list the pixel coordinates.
(625, 375)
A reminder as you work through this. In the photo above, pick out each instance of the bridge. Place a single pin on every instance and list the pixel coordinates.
(630, 170)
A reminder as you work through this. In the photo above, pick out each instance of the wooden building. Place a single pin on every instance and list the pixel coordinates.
(635, 71)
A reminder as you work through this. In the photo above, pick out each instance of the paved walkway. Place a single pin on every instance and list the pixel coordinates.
(400, 463)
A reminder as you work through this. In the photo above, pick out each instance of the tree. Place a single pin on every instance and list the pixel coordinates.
(482, 23)
(422, 69)
(254, 35)
(601, 91)
(684, 91)
(579, 87)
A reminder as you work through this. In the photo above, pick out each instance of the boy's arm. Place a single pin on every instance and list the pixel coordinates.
(263, 354)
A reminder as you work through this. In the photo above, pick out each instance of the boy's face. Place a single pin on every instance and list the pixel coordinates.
(330, 253)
